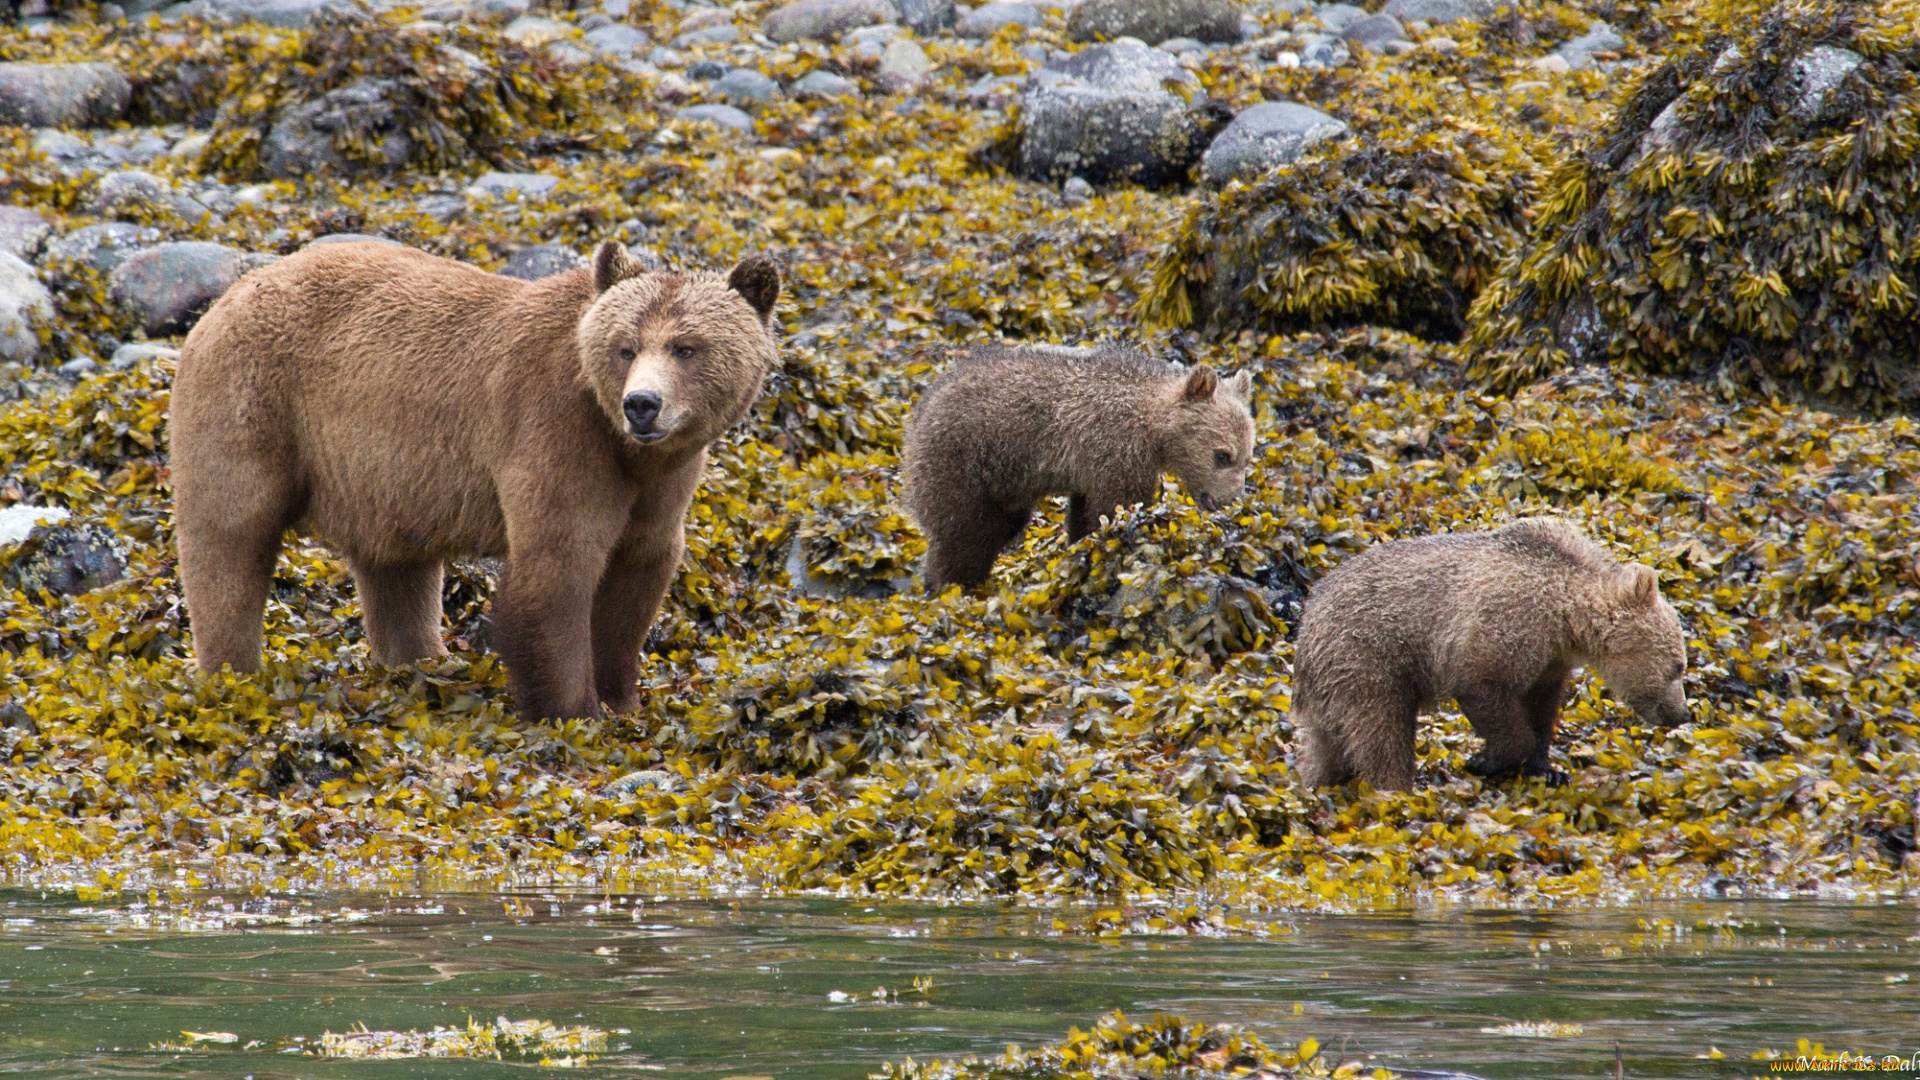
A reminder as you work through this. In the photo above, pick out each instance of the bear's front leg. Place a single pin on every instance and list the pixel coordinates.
(1499, 717)
(624, 608)
(543, 621)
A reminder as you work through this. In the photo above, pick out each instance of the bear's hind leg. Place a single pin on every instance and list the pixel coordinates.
(1321, 761)
(1542, 704)
(401, 607)
(1379, 743)
(962, 551)
(227, 552)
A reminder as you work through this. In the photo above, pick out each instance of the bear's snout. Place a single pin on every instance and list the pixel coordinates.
(1206, 502)
(642, 408)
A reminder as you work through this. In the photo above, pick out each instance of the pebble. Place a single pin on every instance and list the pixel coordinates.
(987, 19)
(745, 85)
(523, 185)
(725, 116)
(903, 66)
(824, 84)
(25, 305)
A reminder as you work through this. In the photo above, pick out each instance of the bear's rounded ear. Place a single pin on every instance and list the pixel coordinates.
(758, 280)
(1641, 587)
(1240, 386)
(612, 265)
(1201, 383)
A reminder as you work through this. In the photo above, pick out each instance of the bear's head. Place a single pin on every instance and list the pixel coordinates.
(1207, 436)
(677, 359)
(1644, 653)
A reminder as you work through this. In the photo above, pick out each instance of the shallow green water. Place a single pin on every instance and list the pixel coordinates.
(708, 988)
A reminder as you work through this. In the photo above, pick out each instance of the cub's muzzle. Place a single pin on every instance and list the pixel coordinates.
(1206, 502)
(642, 409)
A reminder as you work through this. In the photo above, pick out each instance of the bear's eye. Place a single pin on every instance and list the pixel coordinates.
(1222, 459)
(683, 352)
(627, 355)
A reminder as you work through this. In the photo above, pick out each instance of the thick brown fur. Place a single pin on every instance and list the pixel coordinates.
(408, 409)
(1495, 620)
(1008, 426)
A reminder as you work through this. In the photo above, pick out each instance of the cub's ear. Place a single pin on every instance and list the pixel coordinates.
(1201, 383)
(1641, 586)
(612, 265)
(757, 279)
(1240, 386)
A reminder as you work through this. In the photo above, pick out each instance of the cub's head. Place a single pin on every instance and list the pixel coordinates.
(1207, 437)
(1645, 651)
(677, 359)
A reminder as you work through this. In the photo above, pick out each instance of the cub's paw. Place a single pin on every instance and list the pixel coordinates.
(1554, 777)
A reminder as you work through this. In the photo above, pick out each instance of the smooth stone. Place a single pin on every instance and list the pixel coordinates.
(567, 54)
(1372, 31)
(617, 39)
(1578, 53)
(543, 260)
(723, 34)
(825, 19)
(18, 520)
(704, 18)
(725, 116)
(1076, 191)
(1335, 17)
(25, 305)
(133, 354)
(499, 185)
(62, 95)
(22, 232)
(166, 288)
(987, 19)
(352, 238)
(745, 85)
(1155, 21)
(903, 66)
(1264, 136)
(532, 31)
(926, 17)
(1181, 45)
(824, 84)
(287, 14)
(707, 70)
(1438, 11)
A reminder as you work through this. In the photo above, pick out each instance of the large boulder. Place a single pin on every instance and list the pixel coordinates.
(166, 288)
(288, 14)
(1155, 21)
(1105, 114)
(25, 305)
(62, 95)
(1265, 135)
(22, 231)
(539, 261)
(300, 144)
(825, 18)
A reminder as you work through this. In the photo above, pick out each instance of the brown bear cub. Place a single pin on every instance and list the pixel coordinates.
(1007, 426)
(408, 409)
(1496, 620)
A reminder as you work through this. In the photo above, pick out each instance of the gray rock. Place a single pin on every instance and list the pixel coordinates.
(65, 561)
(532, 30)
(1105, 114)
(544, 260)
(1180, 46)
(903, 67)
(567, 54)
(22, 232)
(499, 185)
(725, 116)
(1336, 16)
(1263, 136)
(1438, 11)
(166, 288)
(745, 85)
(1154, 21)
(926, 17)
(291, 14)
(1578, 53)
(988, 86)
(19, 520)
(1372, 31)
(79, 367)
(722, 34)
(987, 19)
(352, 238)
(617, 39)
(707, 70)
(100, 247)
(593, 22)
(300, 143)
(133, 354)
(825, 18)
(62, 95)
(1816, 72)
(661, 56)
(868, 42)
(1076, 191)
(823, 84)
(25, 304)
(131, 191)
(511, 9)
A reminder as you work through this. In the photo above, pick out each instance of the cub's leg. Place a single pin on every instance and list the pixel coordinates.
(962, 548)
(1084, 511)
(1080, 522)
(229, 528)
(401, 605)
(624, 607)
(1379, 742)
(1500, 717)
(1543, 703)
(1321, 759)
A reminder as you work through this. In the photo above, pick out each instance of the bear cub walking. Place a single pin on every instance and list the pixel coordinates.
(408, 409)
(1496, 620)
(1008, 426)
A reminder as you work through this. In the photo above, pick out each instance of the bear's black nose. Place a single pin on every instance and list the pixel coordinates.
(642, 409)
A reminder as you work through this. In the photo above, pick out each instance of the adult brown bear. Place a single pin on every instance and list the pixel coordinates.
(408, 409)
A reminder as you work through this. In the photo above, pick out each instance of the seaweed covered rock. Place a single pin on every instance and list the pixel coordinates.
(364, 94)
(62, 95)
(1752, 217)
(1398, 229)
(1266, 135)
(63, 560)
(25, 306)
(1155, 21)
(804, 19)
